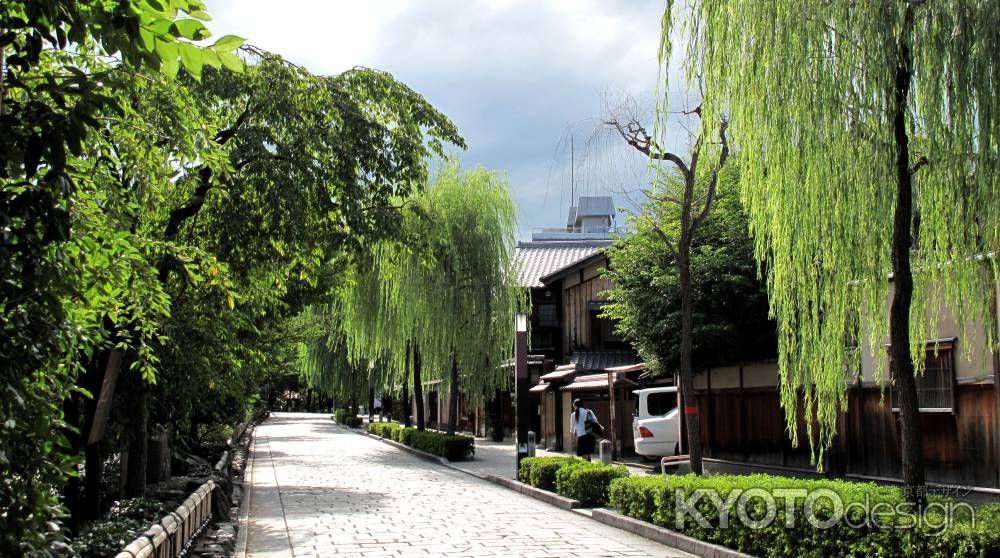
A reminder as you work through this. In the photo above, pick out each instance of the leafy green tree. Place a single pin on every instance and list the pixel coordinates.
(441, 298)
(855, 122)
(691, 186)
(729, 301)
(54, 83)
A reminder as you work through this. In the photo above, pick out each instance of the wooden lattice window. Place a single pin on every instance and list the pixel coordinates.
(936, 386)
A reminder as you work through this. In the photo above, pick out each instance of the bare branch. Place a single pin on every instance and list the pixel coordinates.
(636, 135)
(666, 239)
(710, 196)
(921, 162)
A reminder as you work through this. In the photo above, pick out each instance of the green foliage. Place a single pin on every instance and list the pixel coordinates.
(56, 87)
(654, 499)
(812, 110)
(445, 286)
(384, 429)
(540, 472)
(345, 417)
(730, 302)
(587, 482)
(127, 520)
(451, 447)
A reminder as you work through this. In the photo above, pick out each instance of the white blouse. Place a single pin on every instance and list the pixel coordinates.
(580, 428)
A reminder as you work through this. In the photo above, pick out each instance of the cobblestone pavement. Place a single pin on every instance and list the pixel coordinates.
(319, 490)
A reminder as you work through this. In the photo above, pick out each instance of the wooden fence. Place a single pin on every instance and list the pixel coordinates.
(174, 533)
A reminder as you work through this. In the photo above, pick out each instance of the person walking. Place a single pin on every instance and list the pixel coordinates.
(582, 423)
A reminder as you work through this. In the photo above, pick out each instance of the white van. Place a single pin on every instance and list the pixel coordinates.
(656, 426)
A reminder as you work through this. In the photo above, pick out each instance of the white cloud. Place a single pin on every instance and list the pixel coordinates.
(514, 75)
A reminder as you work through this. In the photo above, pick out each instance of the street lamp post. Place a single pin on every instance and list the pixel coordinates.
(521, 386)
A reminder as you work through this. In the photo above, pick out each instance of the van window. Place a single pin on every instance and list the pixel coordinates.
(659, 404)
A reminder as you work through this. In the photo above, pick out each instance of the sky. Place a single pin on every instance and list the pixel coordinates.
(524, 80)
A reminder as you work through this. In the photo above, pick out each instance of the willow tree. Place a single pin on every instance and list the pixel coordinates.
(465, 279)
(440, 299)
(847, 113)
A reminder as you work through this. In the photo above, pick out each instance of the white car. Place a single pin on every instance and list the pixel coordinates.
(656, 424)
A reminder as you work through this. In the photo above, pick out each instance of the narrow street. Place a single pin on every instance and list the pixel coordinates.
(318, 490)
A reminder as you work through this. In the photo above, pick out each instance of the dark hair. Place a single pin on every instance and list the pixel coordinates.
(578, 404)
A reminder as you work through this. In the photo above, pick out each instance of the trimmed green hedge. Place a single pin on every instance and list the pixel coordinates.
(451, 447)
(344, 417)
(384, 429)
(654, 499)
(588, 482)
(540, 472)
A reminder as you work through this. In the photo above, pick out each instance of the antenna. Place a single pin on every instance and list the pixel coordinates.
(572, 168)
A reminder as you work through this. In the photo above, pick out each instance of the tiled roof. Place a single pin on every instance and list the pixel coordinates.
(593, 382)
(538, 259)
(602, 360)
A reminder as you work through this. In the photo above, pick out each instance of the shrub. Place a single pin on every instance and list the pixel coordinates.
(540, 472)
(450, 446)
(384, 429)
(654, 499)
(587, 482)
(404, 435)
(127, 520)
(345, 417)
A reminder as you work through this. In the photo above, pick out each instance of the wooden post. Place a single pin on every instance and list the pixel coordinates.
(612, 411)
(743, 420)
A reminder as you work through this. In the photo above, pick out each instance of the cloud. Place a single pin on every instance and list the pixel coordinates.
(516, 76)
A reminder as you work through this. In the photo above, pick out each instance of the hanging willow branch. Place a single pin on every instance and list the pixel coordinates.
(809, 89)
(447, 290)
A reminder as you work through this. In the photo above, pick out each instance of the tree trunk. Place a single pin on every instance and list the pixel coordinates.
(687, 334)
(453, 397)
(914, 484)
(371, 394)
(71, 492)
(418, 389)
(138, 452)
(498, 430)
(406, 404)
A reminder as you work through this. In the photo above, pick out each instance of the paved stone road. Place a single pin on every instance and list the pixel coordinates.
(318, 490)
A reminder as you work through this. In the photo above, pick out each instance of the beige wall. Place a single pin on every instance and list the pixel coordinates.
(973, 358)
(755, 374)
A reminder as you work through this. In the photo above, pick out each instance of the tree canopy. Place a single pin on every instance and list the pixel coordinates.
(836, 107)
(730, 303)
(447, 292)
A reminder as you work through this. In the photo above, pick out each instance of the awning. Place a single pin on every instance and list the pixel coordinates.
(560, 373)
(542, 386)
(594, 382)
(628, 368)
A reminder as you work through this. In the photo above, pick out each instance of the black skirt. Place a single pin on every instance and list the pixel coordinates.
(585, 444)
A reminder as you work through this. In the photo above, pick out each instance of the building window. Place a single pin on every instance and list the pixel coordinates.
(936, 386)
(547, 315)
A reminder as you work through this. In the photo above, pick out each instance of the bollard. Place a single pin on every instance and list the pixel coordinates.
(531, 443)
(605, 451)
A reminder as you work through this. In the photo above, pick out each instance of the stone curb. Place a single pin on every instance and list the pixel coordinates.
(242, 522)
(536, 493)
(664, 536)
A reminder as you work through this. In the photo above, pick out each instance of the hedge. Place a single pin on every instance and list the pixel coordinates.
(452, 447)
(347, 418)
(540, 472)
(654, 499)
(587, 482)
(384, 429)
